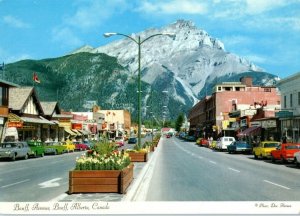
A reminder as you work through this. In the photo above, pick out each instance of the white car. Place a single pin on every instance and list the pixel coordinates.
(297, 158)
(223, 142)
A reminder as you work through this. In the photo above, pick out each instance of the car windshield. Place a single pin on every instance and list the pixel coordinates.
(271, 145)
(8, 145)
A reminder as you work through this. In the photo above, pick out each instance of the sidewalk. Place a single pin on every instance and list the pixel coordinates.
(140, 174)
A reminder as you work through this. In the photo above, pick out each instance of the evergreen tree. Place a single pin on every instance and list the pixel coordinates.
(179, 122)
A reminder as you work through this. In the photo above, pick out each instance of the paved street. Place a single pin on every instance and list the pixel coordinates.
(187, 172)
(181, 171)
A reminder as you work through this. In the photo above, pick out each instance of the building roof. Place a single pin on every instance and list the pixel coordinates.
(19, 96)
(288, 79)
(8, 83)
(50, 107)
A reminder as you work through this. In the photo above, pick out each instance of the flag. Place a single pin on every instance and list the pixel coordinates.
(2, 66)
(35, 78)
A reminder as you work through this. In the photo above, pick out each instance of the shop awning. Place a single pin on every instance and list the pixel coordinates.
(84, 132)
(76, 132)
(70, 132)
(249, 131)
(39, 120)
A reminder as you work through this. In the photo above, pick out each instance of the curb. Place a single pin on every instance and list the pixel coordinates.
(139, 189)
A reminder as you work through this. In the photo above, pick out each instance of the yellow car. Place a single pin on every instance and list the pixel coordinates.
(69, 145)
(263, 150)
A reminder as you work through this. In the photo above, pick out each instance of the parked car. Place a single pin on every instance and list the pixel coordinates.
(223, 142)
(14, 150)
(70, 147)
(36, 147)
(285, 152)
(80, 146)
(55, 148)
(132, 140)
(264, 148)
(239, 146)
(297, 158)
(89, 143)
(190, 138)
(119, 141)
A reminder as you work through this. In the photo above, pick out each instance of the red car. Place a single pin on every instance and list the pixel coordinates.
(79, 146)
(285, 152)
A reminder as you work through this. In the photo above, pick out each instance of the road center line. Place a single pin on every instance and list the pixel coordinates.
(233, 169)
(212, 162)
(277, 184)
(5, 186)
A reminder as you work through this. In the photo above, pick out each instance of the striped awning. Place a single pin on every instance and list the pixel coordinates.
(76, 132)
(70, 132)
(249, 131)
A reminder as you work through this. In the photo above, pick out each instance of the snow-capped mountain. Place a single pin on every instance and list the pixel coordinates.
(187, 61)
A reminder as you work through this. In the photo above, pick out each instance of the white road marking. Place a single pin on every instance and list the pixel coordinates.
(212, 162)
(277, 184)
(50, 183)
(5, 186)
(233, 169)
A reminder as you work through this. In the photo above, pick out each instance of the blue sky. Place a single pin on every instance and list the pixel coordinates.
(267, 32)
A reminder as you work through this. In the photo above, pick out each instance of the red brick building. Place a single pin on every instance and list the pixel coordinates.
(230, 103)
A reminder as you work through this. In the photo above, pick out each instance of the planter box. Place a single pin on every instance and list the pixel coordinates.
(138, 156)
(152, 148)
(100, 181)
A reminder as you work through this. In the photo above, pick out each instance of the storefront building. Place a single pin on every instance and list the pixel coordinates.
(4, 100)
(289, 115)
(26, 114)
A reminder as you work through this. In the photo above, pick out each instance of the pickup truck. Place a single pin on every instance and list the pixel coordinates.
(285, 152)
(263, 150)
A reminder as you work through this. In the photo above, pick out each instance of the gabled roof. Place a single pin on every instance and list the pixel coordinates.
(19, 96)
(50, 108)
(10, 84)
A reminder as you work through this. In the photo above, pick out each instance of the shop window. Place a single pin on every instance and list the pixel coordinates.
(4, 96)
(284, 101)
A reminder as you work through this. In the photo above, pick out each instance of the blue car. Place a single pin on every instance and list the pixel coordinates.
(239, 146)
(132, 140)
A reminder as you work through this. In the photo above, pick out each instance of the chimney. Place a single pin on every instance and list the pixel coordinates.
(246, 81)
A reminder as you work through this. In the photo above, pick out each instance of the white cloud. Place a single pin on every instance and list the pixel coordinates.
(173, 7)
(260, 6)
(65, 36)
(94, 13)
(15, 22)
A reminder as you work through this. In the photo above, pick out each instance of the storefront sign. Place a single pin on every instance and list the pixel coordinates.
(269, 124)
(255, 124)
(250, 112)
(77, 126)
(243, 122)
(15, 124)
(90, 121)
(14, 121)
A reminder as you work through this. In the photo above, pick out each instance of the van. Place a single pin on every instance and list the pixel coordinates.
(223, 142)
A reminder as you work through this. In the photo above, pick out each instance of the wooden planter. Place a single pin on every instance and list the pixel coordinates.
(152, 148)
(138, 156)
(100, 181)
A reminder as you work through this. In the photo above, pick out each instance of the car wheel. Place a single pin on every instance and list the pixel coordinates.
(26, 157)
(13, 158)
(273, 159)
(297, 163)
(80, 149)
(42, 155)
(55, 152)
(255, 156)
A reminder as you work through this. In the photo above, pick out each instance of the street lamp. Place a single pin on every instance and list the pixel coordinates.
(139, 42)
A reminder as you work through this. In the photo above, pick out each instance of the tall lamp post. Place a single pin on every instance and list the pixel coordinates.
(139, 42)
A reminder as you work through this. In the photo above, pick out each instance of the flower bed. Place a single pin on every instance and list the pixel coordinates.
(97, 181)
(94, 173)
